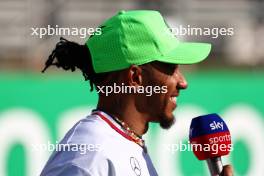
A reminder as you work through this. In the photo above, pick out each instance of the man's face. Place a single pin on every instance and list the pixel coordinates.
(161, 105)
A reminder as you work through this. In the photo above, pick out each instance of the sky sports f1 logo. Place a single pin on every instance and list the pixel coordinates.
(216, 125)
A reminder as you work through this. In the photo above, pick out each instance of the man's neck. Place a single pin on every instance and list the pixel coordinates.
(135, 120)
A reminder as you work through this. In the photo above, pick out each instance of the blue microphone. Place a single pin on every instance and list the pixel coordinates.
(210, 139)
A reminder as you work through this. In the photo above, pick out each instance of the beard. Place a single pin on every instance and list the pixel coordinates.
(165, 122)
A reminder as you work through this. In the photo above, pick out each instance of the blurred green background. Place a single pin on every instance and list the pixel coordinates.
(38, 108)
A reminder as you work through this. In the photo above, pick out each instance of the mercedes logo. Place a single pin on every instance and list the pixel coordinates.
(135, 166)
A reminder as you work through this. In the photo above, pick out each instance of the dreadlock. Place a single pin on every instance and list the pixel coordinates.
(71, 55)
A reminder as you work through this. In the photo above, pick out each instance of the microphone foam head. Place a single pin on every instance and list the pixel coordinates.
(209, 137)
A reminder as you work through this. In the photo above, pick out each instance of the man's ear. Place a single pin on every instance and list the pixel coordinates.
(134, 75)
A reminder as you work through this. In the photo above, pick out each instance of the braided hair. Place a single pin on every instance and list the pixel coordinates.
(70, 55)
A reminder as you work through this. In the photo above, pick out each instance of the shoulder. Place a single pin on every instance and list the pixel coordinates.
(81, 150)
(91, 129)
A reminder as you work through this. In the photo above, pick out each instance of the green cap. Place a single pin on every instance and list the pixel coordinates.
(139, 37)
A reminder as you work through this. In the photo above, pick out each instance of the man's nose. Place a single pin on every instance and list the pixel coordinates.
(182, 83)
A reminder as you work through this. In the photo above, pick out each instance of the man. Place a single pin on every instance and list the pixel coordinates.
(134, 50)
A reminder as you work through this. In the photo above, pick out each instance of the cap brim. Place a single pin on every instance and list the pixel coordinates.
(187, 53)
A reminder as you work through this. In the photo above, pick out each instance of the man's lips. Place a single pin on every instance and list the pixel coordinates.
(173, 98)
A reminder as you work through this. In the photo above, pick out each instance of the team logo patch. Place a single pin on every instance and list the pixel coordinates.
(135, 166)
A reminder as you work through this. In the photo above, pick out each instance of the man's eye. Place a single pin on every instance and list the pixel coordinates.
(170, 68)
(166, 68)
